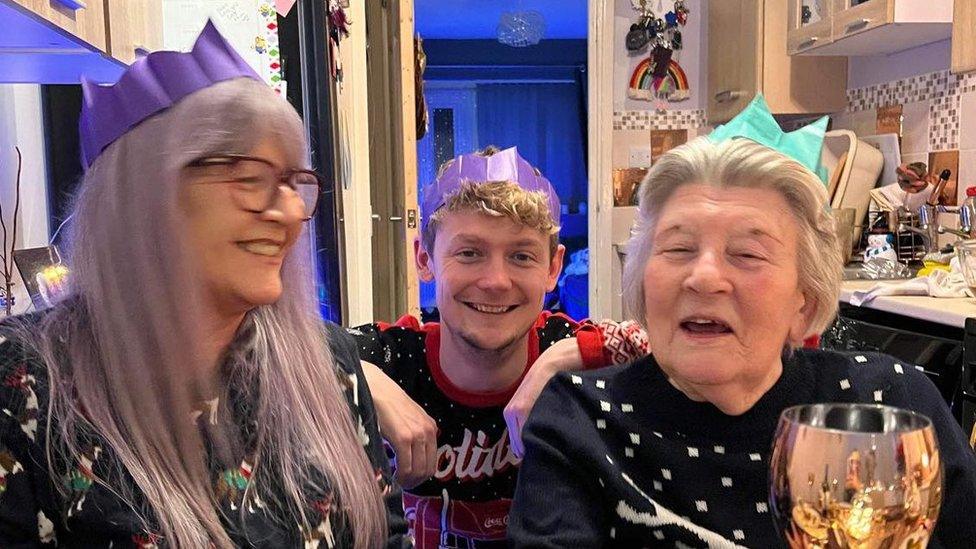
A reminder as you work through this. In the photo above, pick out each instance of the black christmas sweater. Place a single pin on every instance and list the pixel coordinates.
(620, 458)
(89, 513)
(466, 503)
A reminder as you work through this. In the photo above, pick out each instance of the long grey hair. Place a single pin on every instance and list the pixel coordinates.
(124, 357)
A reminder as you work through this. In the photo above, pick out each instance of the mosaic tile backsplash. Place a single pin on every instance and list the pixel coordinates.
(940, 88)
(654, 120)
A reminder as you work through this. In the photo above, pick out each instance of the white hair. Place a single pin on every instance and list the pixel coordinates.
(742, 163)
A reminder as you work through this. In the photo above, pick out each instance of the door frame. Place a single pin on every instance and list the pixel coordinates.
(600, 35)
(599, 46)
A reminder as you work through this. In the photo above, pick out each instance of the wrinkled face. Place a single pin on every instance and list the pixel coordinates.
(240, 252)
(721, 286)
(492, 275)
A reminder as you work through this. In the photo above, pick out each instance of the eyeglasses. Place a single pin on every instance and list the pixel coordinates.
(256, 182)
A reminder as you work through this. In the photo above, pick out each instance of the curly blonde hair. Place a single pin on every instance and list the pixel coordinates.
(496, 199)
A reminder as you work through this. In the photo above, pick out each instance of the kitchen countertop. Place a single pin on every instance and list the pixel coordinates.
(944, 310)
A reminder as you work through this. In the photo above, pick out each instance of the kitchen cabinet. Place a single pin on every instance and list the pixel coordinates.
(808, 24)
(870, 27)
(86, 23)
(747, 54)
(964, 36)
(118, 28)
(134, 26)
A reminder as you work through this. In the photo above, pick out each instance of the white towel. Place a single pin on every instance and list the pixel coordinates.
(939, 283)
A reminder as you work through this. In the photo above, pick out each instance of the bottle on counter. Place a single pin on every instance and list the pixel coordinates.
(967, 211)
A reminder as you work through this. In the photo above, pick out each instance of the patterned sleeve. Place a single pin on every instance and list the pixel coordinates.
(378, 343)
(22, 523)
(345, 355)
(610, 342)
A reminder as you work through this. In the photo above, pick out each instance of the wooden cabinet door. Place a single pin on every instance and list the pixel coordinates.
(133, 25)
(850, 18)
(806, 35)
(734, 56)
(963, 38)
(795, 84)
(392, 156)
(86, 23)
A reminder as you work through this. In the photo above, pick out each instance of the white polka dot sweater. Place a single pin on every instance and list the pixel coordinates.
(620, 458)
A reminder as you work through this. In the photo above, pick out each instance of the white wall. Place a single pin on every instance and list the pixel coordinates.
(868, 71)
(354, 173)
(22, 125)
(690, 57)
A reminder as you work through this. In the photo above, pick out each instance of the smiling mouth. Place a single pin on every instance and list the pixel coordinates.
(265, 248)
(705, 327)
(490, 309)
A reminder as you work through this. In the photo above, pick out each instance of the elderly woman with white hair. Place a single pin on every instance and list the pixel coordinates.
(187, 393)
(734, 262)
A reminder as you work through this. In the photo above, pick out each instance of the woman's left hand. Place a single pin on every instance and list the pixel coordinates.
(564, 355)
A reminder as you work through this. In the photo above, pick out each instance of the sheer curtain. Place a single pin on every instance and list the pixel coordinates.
(545, 123)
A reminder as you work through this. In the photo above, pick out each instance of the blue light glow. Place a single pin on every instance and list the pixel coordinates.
(32, 51)
(473, 19)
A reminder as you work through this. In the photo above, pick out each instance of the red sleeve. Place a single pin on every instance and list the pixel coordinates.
(405, 321)
(611, 342)
(590, 341)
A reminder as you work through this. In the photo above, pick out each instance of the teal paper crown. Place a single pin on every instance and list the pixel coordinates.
(755, 122)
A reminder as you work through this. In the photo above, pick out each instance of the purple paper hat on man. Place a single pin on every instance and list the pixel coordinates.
(153, 84)
(506, 165)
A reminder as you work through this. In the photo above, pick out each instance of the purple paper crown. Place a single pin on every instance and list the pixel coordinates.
(152, 84)
(506, 165)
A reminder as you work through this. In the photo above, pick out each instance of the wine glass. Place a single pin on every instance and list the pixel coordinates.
(966, 252)
(861, 476)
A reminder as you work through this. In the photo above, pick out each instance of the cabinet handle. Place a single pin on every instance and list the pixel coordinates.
(727, 95)
(856, 25)
(73, 4)
(806, 44)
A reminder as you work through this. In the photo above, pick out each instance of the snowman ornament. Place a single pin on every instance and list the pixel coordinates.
(880, 247)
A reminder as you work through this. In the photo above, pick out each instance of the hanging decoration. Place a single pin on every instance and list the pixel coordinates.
(519, 29)
(419, 66)
(338, 29)
(674, 84)
(659, 77)
(282, 7)
(266, 46)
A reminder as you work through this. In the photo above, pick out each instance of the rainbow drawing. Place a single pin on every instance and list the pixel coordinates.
(674, 86)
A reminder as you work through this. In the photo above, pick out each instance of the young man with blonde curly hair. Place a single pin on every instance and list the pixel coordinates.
(490, 240)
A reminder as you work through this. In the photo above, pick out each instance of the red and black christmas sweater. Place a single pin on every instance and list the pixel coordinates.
(466, 503)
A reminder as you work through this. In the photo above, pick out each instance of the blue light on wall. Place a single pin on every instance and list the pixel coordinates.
(32, 51)
(474, 19)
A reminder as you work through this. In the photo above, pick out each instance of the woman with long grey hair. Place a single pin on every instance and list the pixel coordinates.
(186, 392)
